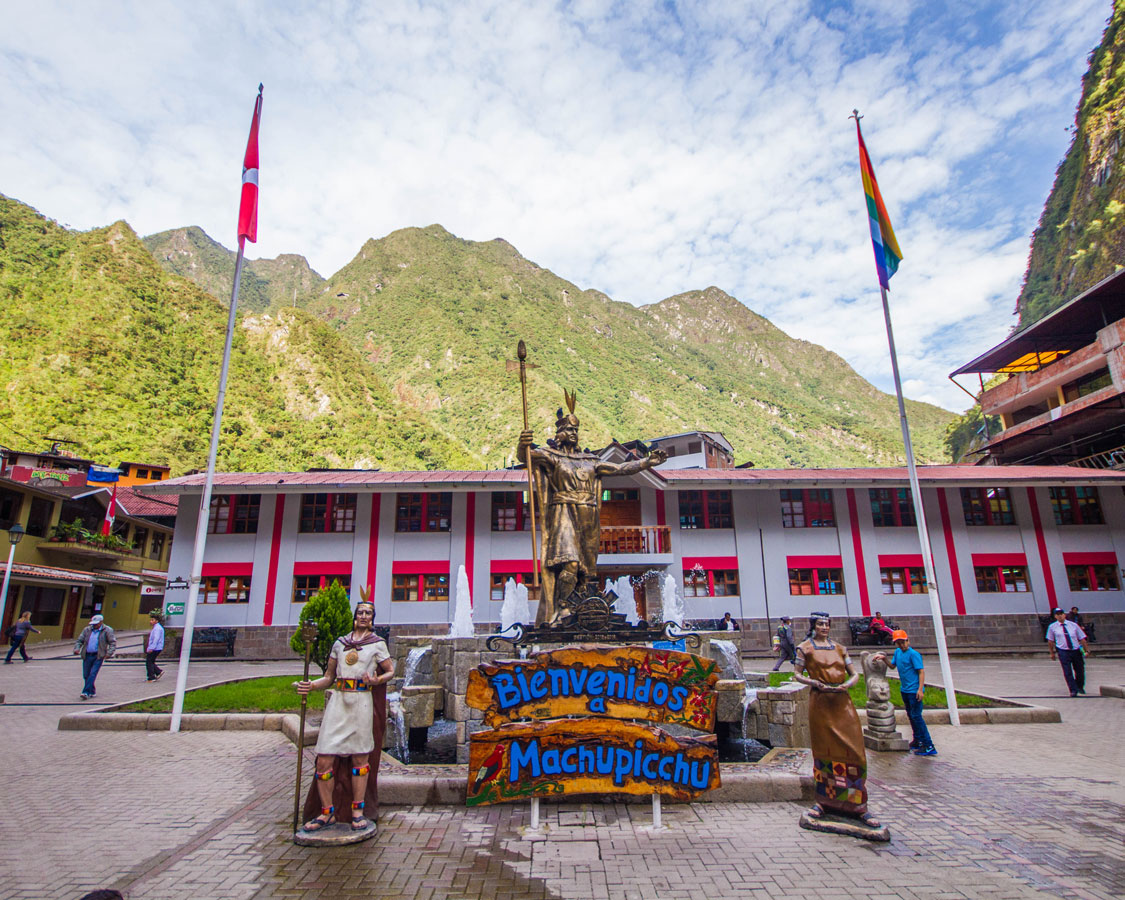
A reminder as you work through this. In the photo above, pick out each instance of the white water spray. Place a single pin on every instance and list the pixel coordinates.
(673, 601)
(462, 625)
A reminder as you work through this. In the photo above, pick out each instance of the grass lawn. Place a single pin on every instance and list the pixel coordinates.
(274, 693)
(934, 698)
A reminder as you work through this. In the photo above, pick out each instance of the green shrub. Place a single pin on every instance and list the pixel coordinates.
(332, 612)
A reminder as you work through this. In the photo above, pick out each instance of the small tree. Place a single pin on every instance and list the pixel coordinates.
(332, 612)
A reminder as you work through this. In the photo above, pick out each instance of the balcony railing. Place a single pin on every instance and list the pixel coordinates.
(636, 539)
(1107, 459)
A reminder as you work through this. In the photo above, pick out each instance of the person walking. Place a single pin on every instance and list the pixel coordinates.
(153, 647)
(1067, 641)
(17, 637)
(912, 684)
(786, 647)
(95, 645)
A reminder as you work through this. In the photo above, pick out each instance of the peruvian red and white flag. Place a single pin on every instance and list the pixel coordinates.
(110, 512)
(248, 208)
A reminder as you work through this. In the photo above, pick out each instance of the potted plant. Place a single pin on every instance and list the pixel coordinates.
(70, 532)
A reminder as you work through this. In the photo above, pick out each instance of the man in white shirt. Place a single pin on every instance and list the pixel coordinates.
(1067, 641)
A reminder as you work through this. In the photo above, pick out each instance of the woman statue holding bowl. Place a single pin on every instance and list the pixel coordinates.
(839, 758)
(351, 733)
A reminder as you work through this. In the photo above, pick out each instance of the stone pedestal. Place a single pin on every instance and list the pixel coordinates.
(832, 824)
(884, 741)
(336, 835)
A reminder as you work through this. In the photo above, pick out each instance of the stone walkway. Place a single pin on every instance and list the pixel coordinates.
(1003, 812)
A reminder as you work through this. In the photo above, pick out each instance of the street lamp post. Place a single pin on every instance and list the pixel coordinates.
(15, 535)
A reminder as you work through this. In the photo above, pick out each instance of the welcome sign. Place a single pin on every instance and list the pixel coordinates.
(587, 756)
(600, 752)
(619, 682)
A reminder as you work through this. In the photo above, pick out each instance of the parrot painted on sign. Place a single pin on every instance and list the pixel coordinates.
(489, 769)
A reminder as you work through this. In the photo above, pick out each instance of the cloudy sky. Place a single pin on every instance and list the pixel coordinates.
(640, 148)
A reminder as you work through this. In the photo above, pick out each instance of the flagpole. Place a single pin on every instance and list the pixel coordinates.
(205, 506)
(923, 530)
(887, 257)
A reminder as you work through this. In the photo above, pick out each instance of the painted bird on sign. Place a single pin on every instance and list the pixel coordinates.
(489, 769)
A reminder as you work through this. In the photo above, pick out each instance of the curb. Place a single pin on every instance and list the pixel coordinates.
(998, 715)
(1106, 690)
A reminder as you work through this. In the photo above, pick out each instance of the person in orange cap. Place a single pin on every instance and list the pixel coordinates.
(912, 682)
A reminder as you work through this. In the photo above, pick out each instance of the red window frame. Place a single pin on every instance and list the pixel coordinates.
(510, 507)
(987, 506)
(325, 513)
(912, 577)
(432, 587)
(234, 514)
(499, 579)
(699, 509)
(996, 579)
(814, 502)
(815, 579)
(226, 589)
(711, 583)
(1076, 505)
(304, 586)
(893, 504)
(433, 509)
(1090, 572)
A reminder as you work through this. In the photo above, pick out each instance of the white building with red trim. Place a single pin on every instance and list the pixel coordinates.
(1009, 544)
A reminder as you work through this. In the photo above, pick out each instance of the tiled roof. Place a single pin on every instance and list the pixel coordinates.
(135, 504)
(746, 477)
(54, 573)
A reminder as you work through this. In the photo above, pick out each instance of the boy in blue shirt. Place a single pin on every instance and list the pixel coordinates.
(912, 682)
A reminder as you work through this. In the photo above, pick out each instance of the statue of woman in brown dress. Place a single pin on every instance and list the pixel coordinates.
(839, 758)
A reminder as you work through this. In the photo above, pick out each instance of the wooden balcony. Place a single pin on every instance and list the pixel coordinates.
(638, 539)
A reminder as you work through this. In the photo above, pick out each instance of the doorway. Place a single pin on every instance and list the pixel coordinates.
(70, 615)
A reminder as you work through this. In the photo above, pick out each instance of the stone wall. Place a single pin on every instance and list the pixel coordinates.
(963, 632)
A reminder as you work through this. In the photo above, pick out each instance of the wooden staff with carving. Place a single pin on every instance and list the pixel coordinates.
(308, 635)
(521, 352)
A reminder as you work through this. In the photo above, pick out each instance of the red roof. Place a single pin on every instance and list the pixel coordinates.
(71, 576)
(136, 504)
(983, 475)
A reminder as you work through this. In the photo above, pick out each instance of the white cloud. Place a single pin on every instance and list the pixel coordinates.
(637, 148)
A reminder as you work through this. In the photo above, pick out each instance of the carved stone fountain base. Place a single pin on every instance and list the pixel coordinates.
(833, 824)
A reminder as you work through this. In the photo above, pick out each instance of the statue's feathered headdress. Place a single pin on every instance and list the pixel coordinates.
(365, 599)
(569, 418)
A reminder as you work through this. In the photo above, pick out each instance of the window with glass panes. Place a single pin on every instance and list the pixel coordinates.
(891, 507)
(705, 509)
(1076, 506)
(710, 582)
(509, 511)
(305, 586)
(807, 508)
(500, 579)
(140, 540)
(39, 516)
(234, 514)
(1092, 578)
(156, 548)
(409, 588)
(987, 506)
(903, 580)
(327, 513)
(1001, 579)
(226, 589)
(828, 580)
(423, 512)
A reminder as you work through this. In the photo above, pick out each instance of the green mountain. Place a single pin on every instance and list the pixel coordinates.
(1081, 235)
(100, 345)
(437, 316)
(265, 283)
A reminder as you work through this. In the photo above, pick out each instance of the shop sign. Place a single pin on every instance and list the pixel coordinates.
(173, 609)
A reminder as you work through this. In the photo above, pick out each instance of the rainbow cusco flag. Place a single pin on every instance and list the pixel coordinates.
(887, 253)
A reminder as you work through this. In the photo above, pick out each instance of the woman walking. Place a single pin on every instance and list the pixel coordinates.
(17, 636)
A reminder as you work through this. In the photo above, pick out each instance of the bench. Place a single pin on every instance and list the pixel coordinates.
(863, 636)
(210, 642)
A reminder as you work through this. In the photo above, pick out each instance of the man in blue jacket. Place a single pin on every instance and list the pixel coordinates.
(95, 645)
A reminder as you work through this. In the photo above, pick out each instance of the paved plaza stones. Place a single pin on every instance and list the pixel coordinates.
(1004, 812)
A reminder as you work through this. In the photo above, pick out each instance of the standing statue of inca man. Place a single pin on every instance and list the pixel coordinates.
(568, 492)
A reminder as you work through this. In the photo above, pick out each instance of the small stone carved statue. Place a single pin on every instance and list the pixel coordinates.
(880, 733)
